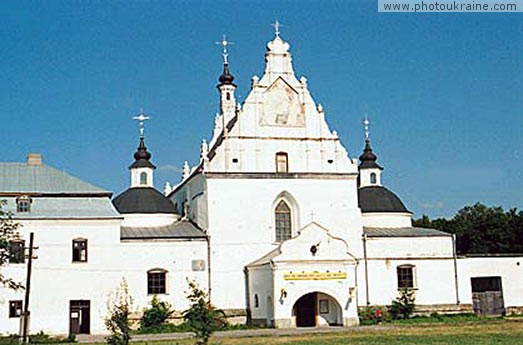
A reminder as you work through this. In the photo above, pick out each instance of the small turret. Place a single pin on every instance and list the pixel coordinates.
(142, 169)
(370, 171)
(226, 87)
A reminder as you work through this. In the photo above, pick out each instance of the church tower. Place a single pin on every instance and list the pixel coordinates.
(370, 171)
(226, 87)
(142, 169)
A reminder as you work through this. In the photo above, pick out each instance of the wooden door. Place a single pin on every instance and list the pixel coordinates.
(306, 310)
(80, 317)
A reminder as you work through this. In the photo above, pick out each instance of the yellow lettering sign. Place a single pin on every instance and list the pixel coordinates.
(315, 275)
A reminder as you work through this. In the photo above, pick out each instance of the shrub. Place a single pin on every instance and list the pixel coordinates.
(403, 306)
(117, 322)
(202, 317)
(156, 315)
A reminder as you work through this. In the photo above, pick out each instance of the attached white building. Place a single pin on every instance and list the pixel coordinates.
(276, 222)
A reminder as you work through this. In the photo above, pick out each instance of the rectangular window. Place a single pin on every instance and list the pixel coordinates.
(282, 164)
(15, 308)
(80, 250)
(405, 277)
(16, 252)
(156, 282)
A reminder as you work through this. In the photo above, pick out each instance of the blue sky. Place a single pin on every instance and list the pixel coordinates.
(444, 92)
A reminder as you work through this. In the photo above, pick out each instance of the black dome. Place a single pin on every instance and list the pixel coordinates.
(143, 200)
(368, 158)
(226, 78)
(379, 199)
(142, 157)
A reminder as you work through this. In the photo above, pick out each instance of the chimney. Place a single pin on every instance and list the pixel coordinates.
(34, 159)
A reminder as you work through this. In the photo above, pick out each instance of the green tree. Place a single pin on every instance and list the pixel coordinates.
(403, 306)
(482, 230)
(8, 233)
(156, 315)
(119, 310)
(202, 317)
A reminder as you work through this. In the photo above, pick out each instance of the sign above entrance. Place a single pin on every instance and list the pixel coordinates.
(315, 275)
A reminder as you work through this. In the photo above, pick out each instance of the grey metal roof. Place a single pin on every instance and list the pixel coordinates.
(143, 200)
(64, 207)
(182, 229)
(379, 199)
(24, 178)
(266, 258)
(404, 232)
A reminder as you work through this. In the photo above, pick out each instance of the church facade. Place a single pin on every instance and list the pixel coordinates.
(277, 223)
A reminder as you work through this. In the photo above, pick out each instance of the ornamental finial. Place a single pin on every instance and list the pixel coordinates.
(366, 124)
(141, 118)
(277, 25)
(224, 43)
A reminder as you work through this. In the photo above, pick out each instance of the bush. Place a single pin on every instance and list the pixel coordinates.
(156, 315)
(202, 317)
(117, 322)
(403, 306)
(368, 314)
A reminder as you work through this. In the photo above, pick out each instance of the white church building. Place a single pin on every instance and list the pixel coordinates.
(277, 223)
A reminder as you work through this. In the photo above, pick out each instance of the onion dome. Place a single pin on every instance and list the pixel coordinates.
(367, 158)
(379, 199)
(142, 157)
(143, 200)
(226, 78)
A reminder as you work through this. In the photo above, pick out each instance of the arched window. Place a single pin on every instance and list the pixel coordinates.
(373, 178)
(228, 96)
(143, 178)
(406, 276)
(256, 301)
(282, 164)
(283, 222)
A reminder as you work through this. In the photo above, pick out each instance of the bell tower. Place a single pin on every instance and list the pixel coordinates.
(226, 87)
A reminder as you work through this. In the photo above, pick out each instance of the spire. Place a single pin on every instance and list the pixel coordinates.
(226, 78)
(368, 158)
(142, 156)
(277, 26)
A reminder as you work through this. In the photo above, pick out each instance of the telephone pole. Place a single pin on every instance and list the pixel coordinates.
(26, 312)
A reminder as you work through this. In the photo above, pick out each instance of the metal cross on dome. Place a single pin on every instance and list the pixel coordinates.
(224, 43)
(277, 26)
(366, 124)
(141, 118)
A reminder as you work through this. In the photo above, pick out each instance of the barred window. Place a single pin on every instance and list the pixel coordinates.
(16, 252)
(156, 282)
(405, 276)
(283, 222)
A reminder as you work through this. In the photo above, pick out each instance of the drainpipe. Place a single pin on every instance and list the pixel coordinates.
(366, 269)
(209, 286)
(455, 267)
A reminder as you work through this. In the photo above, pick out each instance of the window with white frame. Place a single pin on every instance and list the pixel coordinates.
(406, 276)
(143, 178)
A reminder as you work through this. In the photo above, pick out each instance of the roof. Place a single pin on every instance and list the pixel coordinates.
(24, 178)
(143, 200)
(142, 157)
(379, 199)
(266, 258)
(404, 232)
(183, 229)
(65, 207)
(368, 158)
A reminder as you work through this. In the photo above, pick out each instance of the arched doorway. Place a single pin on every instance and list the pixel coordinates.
(317, 309)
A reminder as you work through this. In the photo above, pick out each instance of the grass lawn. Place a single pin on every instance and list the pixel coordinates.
(464, 333)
